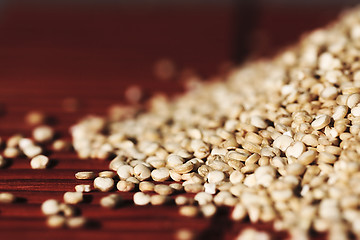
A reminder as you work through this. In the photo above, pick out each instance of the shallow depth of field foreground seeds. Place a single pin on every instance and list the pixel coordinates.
(278, 141)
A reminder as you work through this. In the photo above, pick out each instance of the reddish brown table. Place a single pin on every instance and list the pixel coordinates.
(92, 53)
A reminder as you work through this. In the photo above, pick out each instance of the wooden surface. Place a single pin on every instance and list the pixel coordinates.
(49, 53)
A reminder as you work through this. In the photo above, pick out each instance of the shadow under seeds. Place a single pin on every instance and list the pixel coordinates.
(9, 163)
(93, 224)
(126, 203)
(53, 163)
(21, 200)
(220, 224)
(87, 198)
(51, 120)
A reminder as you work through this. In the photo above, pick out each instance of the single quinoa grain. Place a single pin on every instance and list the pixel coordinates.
(104, 184)
(7, 197)
(73, 197)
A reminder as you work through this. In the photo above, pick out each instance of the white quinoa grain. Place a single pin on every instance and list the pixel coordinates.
(184, 168)
(160, 175)
(281, 195)
(353, 100)
(174, 160)
(104, 184)
(251, 147)
(176, 186)
(68, 210)
(193, 188)
(320, 122)
(76, 222)
(125, 171)
(163, 189)
(146, 186)
(215, 176)
(111, 201)
(13, 141)
(188, 211)
(326, 157)
(328, 62)
(141, 198)
(356, 75)
(116, 163)
(158, 199)
(321, 225)
(203, 198)
(356, 111)
(210, 188)
(258, 122)
(32, 151)
(73, 197)
(184, 234)
(307, 157)
(220, 197)
(125, 186)
(39, 162)
(25, 143)
(43, 134)
(56, 221)
(60, 145)
(329, 93)
(85, 175)
(50, 207)
(356, 225)
(141, 172)
(83, 188)
(295, 169)
(253, 213)
(155, 162)
(35, 118)
(133, 180)
(239, 212)
(107, 174)
(252, 234)
(250, 180)
(236, 177)
(295, 150)
(340, 112)
(310, 140)
(7, 197)
(11, 152)
(181, 200)
(283, 142)
(264, 175)
(208, 210)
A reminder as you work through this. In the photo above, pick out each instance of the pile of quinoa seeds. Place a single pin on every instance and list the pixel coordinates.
(278, 141)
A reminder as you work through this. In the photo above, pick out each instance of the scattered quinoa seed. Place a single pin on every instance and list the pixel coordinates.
(50, 207)
(141, 198)
(7, 197)
(39, 162)
(85, 175)
(76, 222)
(73, 197)
(56, 221)
(104, 184)
(83, 188)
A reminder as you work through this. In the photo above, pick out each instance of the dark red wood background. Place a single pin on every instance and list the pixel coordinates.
(49, 52)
